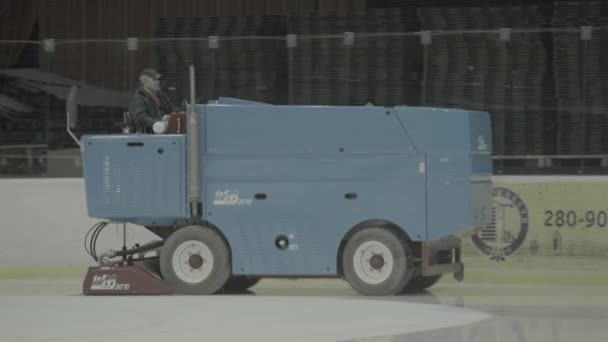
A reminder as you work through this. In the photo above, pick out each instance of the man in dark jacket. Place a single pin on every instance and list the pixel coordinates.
(149, 104)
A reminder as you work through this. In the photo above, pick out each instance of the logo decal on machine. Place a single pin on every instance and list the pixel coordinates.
(481, 143)
(230, 197)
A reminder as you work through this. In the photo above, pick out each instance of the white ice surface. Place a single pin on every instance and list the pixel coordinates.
(218, 318)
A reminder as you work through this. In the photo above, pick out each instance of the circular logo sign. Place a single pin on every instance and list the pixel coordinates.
(508, 228)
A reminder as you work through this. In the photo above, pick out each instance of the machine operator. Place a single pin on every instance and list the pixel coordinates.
(150, 106)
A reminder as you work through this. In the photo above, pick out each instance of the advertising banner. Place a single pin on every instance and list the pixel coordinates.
(551, 222)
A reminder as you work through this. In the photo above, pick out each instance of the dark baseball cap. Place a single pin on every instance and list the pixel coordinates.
(150, 73)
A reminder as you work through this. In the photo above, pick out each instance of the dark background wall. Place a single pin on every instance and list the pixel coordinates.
(545, 87)
(94, 19)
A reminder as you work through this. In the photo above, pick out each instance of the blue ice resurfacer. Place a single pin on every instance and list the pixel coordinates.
(379, 196)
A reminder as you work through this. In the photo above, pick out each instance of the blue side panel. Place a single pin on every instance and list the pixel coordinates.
(458, 171)
(481, 165)
(135, 178)
(274, 171)
(306, 200)
(281, 130)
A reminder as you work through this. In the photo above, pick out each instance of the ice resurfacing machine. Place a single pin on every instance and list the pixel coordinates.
(379, 196)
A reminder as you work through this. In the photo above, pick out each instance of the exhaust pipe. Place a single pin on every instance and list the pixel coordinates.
(71, 111)
(194, 187)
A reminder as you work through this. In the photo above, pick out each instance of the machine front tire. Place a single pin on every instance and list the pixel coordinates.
(377, 262)
(195, 260)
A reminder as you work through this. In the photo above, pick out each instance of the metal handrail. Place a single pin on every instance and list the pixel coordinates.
(550, 156)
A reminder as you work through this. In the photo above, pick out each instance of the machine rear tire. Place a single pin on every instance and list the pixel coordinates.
(421, 283)
(195, 260)
(240, 283)
(377, 262)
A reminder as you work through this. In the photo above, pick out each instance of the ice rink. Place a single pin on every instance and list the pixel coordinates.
(53, 309)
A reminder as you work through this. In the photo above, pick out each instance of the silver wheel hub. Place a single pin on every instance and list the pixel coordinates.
(192, 261)
(373, 262)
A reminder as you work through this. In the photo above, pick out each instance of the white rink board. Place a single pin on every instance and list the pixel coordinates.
(44, 221)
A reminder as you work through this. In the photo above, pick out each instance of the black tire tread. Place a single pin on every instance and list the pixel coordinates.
(420, 283)
(240, 283)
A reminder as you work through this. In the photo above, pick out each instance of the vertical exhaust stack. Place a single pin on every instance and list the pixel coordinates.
(71, 109)
(194, 187)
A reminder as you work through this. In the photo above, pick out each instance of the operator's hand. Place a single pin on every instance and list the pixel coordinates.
(160, 127)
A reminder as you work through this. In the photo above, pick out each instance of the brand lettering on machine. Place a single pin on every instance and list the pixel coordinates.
(230, 197)
(108, 282)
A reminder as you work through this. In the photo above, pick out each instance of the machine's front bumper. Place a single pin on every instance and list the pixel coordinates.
(442, 256)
